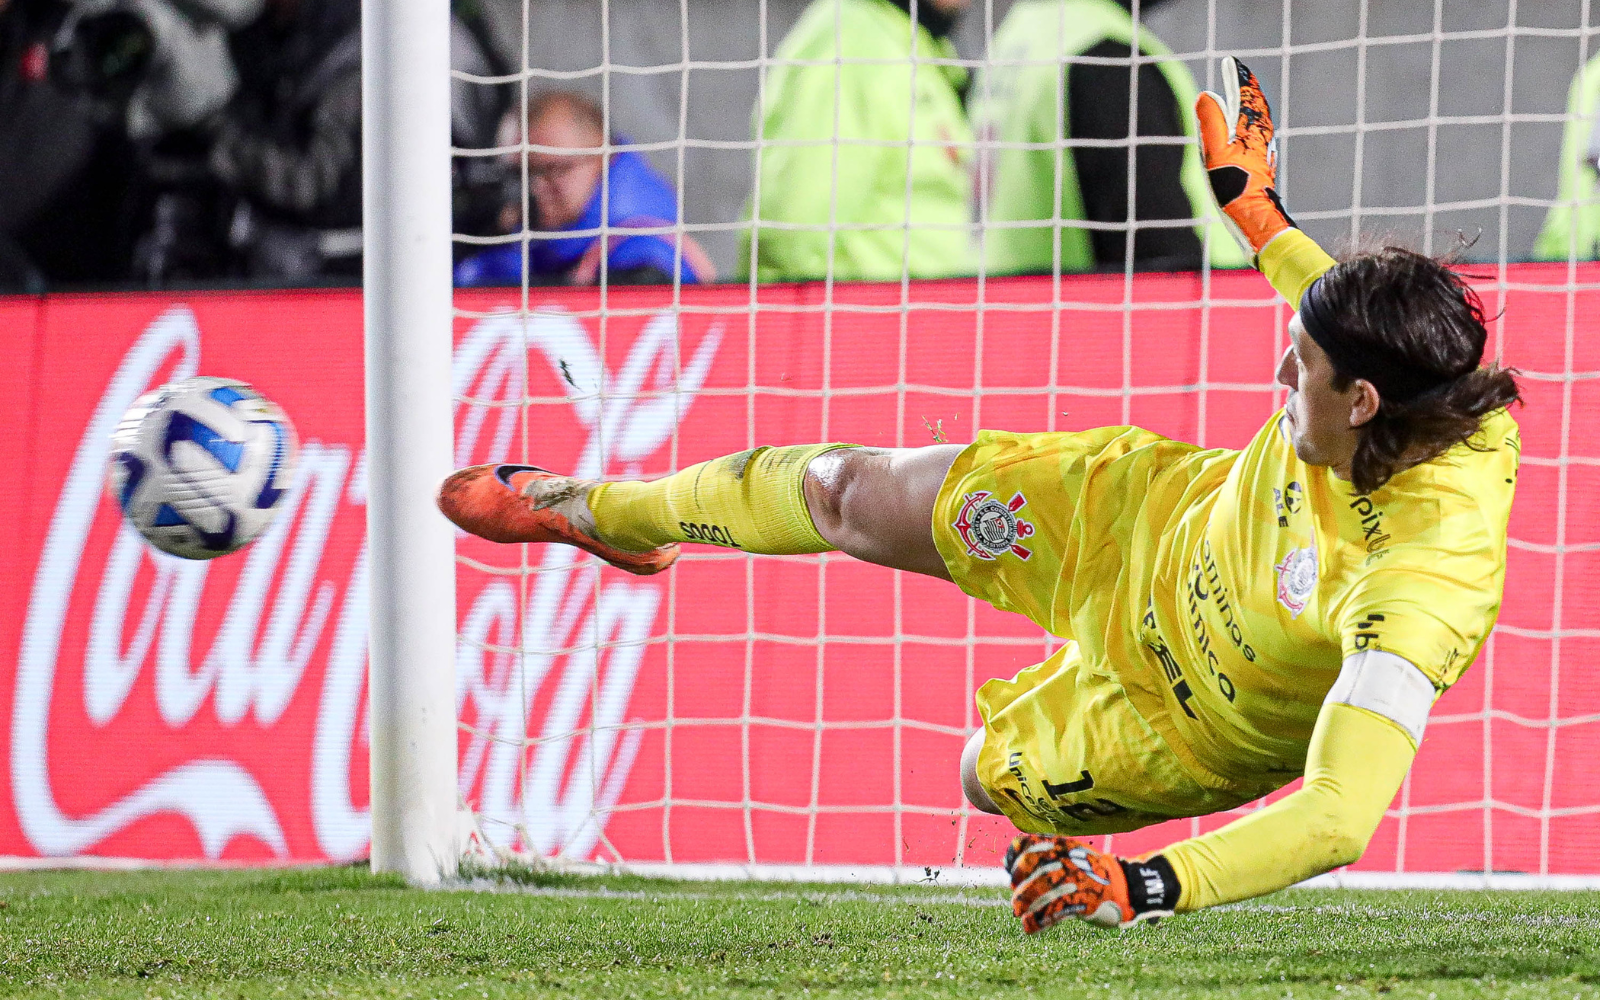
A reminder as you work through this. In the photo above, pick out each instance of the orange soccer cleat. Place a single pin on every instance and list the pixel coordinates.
(523, 503)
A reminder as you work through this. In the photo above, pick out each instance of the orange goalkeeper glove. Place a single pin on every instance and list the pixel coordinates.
(1241, 157)
(1053, 878)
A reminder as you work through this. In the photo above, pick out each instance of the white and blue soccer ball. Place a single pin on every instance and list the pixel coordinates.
(200, 466)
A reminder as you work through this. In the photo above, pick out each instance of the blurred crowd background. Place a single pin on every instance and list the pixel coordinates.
(175, 143)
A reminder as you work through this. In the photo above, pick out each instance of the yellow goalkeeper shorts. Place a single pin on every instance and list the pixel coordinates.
(1065, 752)
(1054, 527)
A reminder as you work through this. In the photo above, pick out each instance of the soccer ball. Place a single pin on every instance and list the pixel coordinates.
(200, 466)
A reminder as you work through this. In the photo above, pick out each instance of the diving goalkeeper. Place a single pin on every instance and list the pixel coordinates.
(1238, 619)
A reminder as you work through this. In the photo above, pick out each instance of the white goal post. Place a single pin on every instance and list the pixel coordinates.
(411, 558)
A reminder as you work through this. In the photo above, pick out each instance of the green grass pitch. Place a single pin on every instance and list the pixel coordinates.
(341, 932)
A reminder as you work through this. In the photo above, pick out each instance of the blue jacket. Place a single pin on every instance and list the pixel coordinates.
(640, 197)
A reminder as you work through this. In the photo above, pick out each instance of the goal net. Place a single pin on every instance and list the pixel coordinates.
(804, 716)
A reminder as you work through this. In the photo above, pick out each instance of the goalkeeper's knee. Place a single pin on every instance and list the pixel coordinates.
(971, 785)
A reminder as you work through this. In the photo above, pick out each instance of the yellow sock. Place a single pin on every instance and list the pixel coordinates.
(753, 500)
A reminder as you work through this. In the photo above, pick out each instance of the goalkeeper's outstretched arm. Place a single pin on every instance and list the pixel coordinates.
(1365, 739)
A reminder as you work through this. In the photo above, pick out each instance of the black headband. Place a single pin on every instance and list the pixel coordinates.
(1396, 379)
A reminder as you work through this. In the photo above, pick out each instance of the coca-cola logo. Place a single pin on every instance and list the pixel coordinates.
(584, 634)
(214, 648)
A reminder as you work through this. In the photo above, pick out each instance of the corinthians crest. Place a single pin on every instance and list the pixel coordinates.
(990, 526)
(1297, 578)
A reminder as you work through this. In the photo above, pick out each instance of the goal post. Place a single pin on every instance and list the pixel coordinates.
(411, 547)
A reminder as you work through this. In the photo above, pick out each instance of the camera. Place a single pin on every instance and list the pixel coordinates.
(164, 67)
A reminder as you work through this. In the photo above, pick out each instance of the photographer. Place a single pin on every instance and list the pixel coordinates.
(64, 186)
(157, 77)
(271, 187)
(289, 144)
(247, 119)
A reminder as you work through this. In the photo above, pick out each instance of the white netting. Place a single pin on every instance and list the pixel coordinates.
(799, 712)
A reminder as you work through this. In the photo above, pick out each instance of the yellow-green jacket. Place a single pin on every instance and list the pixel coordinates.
(881, 181)
(1572, 229)
(1024, 107)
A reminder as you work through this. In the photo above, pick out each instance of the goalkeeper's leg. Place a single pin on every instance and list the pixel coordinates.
(872, 503)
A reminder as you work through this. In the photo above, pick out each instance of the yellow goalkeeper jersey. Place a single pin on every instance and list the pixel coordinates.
(1262, 585)
(1219, 590)
(1212, 597)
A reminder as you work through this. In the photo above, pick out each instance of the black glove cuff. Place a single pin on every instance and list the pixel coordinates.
(1152, 885)
(1278, 204)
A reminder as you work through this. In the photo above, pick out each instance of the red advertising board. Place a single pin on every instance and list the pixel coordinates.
(784, 711)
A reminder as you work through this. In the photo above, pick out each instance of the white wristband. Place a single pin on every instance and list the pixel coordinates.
(1386, 685)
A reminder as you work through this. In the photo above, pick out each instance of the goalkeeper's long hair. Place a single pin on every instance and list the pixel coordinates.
(1411, 307)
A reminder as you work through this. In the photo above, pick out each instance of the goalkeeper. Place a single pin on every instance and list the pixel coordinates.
(1238, 619)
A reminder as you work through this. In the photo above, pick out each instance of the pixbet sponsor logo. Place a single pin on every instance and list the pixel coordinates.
(148, 686)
